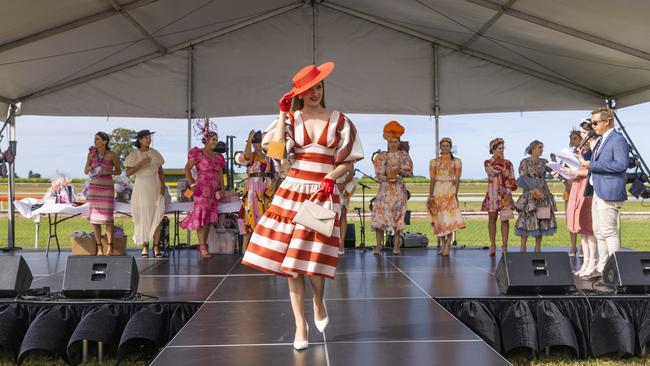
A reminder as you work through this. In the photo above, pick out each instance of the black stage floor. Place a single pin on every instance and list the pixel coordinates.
(383, 309)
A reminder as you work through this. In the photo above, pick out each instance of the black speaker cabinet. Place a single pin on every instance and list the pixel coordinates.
(15, 276)
(628, 271)
(100, 277)
(534, 273)
(350, 240)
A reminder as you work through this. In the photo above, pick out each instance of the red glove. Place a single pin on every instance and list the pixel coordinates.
(285, 102)
(327, 186)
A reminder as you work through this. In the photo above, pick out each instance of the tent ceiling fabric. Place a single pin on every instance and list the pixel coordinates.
(82, 57)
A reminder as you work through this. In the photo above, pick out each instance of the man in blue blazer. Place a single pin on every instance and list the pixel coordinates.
(607, 168)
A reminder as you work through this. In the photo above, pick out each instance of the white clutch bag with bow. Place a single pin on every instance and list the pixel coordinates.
(316, 218)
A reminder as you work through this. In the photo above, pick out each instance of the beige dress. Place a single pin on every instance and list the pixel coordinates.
(147, 204)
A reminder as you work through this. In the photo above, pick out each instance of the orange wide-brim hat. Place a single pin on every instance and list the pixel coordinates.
(393, 129)
(309, 76)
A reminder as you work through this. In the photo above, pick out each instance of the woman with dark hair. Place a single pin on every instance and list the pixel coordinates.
(536, 205)
(324, 145)
(259, 187)
(208, 186)
(148, 197)
(101, 165)
(579, 219)
(446, 218)
(498, 199)
(389, 207)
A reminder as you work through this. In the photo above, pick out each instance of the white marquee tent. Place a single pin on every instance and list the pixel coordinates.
(153, 58)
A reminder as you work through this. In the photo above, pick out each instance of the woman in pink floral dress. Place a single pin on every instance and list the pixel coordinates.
(207, 188)
(389, 207)
(498, 198)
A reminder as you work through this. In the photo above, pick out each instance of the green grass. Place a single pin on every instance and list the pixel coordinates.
(43, 359)
(561, 356)
(635, 232)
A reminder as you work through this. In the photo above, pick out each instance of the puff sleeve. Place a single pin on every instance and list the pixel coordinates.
(131, 159)
(349, 147)
(194, 155)
(289, 139)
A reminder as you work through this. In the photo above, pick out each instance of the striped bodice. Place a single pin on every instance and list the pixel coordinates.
(311, 164)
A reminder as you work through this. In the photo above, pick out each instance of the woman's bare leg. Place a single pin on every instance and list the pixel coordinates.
(505, 233)
(492, 228)
(523, 240)
(380, 241)
(318, 288)
(98, 239)
(297, 296)
(538, 244)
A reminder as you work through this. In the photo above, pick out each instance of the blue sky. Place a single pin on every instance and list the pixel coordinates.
(50, 144)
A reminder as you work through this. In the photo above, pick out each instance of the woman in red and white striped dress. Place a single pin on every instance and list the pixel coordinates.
(325, 145)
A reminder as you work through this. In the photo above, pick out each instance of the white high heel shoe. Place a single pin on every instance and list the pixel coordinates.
(301, 345)
(322, 324)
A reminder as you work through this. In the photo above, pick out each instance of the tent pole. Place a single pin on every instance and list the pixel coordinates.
(11, 121)
(436, 97)
(190, 76)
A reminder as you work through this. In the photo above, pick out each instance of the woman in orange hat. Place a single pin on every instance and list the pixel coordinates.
(324, 145)
(389, 207)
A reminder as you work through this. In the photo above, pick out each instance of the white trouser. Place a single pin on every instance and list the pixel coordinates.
(605, 224)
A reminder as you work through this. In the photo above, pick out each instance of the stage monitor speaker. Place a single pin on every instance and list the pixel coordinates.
(350, 239)
(100, 277)
(534, 273)
(628, 271)
(15, 276)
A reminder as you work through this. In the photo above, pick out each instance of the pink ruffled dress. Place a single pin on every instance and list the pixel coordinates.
(207, 184)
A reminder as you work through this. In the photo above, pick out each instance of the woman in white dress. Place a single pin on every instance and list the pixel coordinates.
(148, 197)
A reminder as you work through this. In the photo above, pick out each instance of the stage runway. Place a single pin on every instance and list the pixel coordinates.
(384, 310)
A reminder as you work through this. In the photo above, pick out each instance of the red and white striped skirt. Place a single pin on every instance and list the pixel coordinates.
(286, 249)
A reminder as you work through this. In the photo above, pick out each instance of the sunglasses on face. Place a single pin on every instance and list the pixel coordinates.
(595, 123)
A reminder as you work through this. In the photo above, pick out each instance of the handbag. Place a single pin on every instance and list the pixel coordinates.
(543, 212)
(315, 217)
(506, 214)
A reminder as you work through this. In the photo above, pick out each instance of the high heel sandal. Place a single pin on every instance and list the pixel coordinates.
(203, 251)
(99, 249)
(145, 251)
(109, 249)
(377, 250)
(156, 251)
(493, 251)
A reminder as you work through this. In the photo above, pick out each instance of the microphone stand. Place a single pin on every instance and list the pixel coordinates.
(362, 212)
